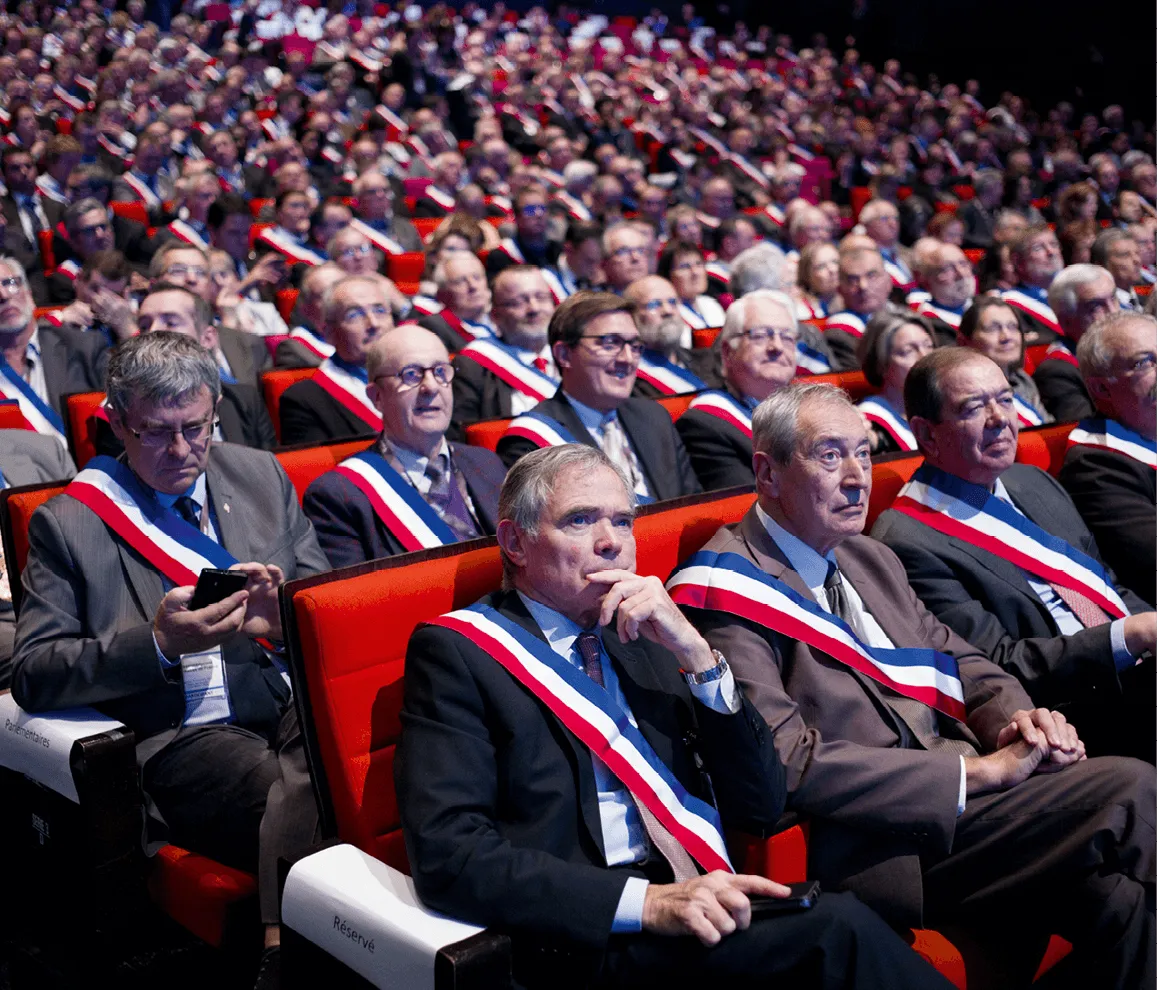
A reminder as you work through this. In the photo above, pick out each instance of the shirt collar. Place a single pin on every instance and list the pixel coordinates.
(592, 419)
(414, 463)
(560, 632)
(196, 491)
(811, 566)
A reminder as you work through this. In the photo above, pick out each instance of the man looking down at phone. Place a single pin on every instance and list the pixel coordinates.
(106, 620)
(512, 821)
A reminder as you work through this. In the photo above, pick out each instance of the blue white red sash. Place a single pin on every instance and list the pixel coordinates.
(724, 407)
(464, 328)
(727, 582)
(933, 312)
(349, 389)
(38, 414)
(805, 309)
(775, 214)
(185, 232)
(49, 188)
(503, 360)
(751, 171)
(1025, 413)
(1059, 351)
(282, 243)
(311, 342)
(666, 376)
(69, 269)
(395, 502)
(1039, 311)
(74, 103)
(508, 247)
(574, 206)
(600, 723)
(899, 274)
(719, 271)
(916, 298)
(971, 513)
(809, 361)
(540, 430)
(848, 322)
(443, 199)
(877, 411)
(1111, 435)
(701, 321)
(144, 194)
(377, 238)
(556, 282)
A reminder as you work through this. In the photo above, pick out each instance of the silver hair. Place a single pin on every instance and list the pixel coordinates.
(329, 306)
(74, 211)
(160, 368)
(529, 484)
(439, 276)
(1093, 352)
(759, 267)
(775, 423)
(1063, 291)
(735, 320)
(987, 178)
(574, 173)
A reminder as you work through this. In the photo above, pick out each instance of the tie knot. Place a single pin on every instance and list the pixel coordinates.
(435, 469)
(188, 510)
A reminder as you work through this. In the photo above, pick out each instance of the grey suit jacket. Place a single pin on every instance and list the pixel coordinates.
(28, 458)
(876, 807)
(84, 635)
(246, 353)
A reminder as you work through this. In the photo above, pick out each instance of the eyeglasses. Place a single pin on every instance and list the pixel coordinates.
(12, 284)
(181, 271)
(689, 266)
(412, 375)
(613, 343)
(94, 229)
(761, 335)
(656, 304)
(627, 252)
(533, 210)
(355, 252)
(193, 434)
(1138, 366)
(357, 316)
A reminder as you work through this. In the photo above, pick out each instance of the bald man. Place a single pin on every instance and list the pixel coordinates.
(669, 365)
(450, 490)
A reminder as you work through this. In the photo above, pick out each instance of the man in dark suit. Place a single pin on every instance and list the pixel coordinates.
(979, 213)
(306, 346)
(529, 245)
(26, 211)
(461, 311)
(596, 347)
(510, 820)
(927, 793)
(1036, 256)
(129, 237)
(864, 288)
(947, 275)
(333, 405)
(26, 458)
(438, 199)
(1079, 296)
(669, 365)
(1109, 468)
(410, 376)
(1057, 642)
(102, 625)
(374, 207)
(488, 382)
(757, 348)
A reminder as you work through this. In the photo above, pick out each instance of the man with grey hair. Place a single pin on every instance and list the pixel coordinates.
(108, 622)
(923, 789)
(583, 868)
(757, 350)
(573, 198)
(624, 255)
(881, 222)
(864, 288)
(668, 364)
(89, 226)
(1079, 296)
(307, 346)
(1109, 466)
(1117, 252)
(759, 267)
(460, 311)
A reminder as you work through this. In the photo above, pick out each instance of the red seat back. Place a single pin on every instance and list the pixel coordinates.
(304, 465)
(888, 478)
(704, 337)
(852, 382)
(1044, 447)
(132, 211)
(1033, 356)
(273, 386)
(676, 405)
(257, 205)
(47, 256)
(426, 225)
(859, 196)
(255, 230)
(286, 300)
(16, 508)
(406, 267)
(11, 418)
(80, 420)
(487, 433)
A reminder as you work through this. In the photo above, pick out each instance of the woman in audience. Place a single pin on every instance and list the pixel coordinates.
(996, 272)
(1018, 197)
(817, 281)
(683, 265)
(990, 326)
(947, 229)
(1077, 202)
(893, 341)
(1077, 241)
(458, 232)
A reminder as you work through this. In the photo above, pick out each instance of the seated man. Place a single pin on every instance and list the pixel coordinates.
(289, 236)
(88, 224)
(999, 554)
(461, 311)
(504, 376)
(333, 405)
(438, 198)
(1036, 256)
(596, 347)
(1117, 252)
(881, 222)
(412, 489)
(511, 820)
(668, 364)
(933, 788)
(41, 363)
(307, 346)
(1079, 296)
(948, 277)
(195, 196)
(102, 304)
(864, 288)
(374, 206)
(529, 245)
(579, 266)
(624, 255)
(757, 349)
(1109, 468)
(105, 624)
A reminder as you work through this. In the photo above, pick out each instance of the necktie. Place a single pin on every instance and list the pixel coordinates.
(618, 449)
(446, 498)
(33, 214)
(188, 510)
(1084, 608)
(680, 861)
(540, 363)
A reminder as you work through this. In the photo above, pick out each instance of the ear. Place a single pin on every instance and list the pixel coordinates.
(925, 438)
(767, 479)
(116, 421)
(511, 542)
(561, 354)
(1100, 391)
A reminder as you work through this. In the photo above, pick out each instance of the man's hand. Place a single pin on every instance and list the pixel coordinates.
(645, 609)
(179, 630)
(1141, 633)
(263, 614)
(709, 907)
(77, 313)
(114, 310)
(1005, 768)
(1064, 745)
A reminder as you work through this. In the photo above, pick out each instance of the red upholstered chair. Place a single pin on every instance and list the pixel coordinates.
(486, 433)
(274, 384)
(425, 225)
(304, 465)
(80, 409)
(47, 256)
(675, 405)
(416, 186)
(974, 255)
(273, 341)
(704, 337)
(888, 477)
(1033, 357)
(406, 267)
(1044, 446)
(131, 211)
(852, 382)
(255, 230)
(286, 300)
(257, 205)
(859, 196)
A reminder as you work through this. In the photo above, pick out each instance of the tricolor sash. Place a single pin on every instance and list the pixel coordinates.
(557, 285)
(503, 360)
(70, 269)
(396, 502)
(49, 188)
(511, 249)
(465, 329)
(38, 414)
(540, 430)
(724, 407)
(151, 200)
(727, 582)
(877, 411)
(311, 342)
(1111, 435)
(349, 389)
(74, 103)
(377, 238)
(574, 206)
(775, 214)
(751, 171)
(282, 243)
(719, 271)
(934, 312)
(971, 513)
(916, 298)
(1025, 413)
(899, 274)
(666, 376)
(1059, 351)
(809, 361)
(185, 232)
(443, 199)
(848, 322)
(600, 723)
(696, 320)
(1039, 311)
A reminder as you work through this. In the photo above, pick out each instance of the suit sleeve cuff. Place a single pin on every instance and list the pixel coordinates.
(1122, 658)
(962, 794)
(720, 695)
(166, 663)
(629, 913)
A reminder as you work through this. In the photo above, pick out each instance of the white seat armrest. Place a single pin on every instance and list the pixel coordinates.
(39, 746)
(368, 916)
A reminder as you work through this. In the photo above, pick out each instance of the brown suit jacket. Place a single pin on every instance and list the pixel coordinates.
(876, 808)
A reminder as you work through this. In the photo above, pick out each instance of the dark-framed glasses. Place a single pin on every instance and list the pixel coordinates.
(613, 343)
(162, 436)
(412, 375)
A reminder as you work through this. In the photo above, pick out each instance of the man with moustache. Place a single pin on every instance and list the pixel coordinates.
(668, 365)
(948, 277)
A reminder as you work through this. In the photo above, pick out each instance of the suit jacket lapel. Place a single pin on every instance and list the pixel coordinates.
(564, 412)
(648, 450)
(54, 358)
(231, 529)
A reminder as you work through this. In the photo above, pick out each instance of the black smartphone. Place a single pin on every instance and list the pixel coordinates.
(214, 584)
(803, 896)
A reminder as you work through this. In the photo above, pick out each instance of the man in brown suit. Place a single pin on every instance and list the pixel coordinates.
(930, 819)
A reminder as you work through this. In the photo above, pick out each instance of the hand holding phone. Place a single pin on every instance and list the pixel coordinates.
(214, 585)
(803, 896)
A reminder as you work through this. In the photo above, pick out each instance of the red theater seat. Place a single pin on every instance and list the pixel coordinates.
(274, 384)
(80, 421)
(286, 300)
(1044, 446)
(131, 211)
(11, 418)
(426, 226)
(304, 465)
(406, 267)
(888, 477)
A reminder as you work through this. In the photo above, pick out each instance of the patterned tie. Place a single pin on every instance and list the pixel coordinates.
(446, 499)
(682, 865)
(1084, 608)
(618, 449)
(188, 510)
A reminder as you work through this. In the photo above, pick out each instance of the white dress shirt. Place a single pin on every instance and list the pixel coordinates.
(594, 421)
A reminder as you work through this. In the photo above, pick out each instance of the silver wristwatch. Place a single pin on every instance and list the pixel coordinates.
(709, 675)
